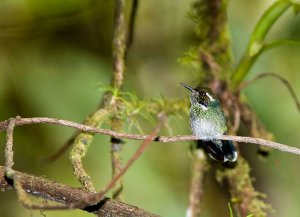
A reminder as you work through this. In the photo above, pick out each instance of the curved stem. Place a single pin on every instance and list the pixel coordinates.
(283, 80)
(256, 40)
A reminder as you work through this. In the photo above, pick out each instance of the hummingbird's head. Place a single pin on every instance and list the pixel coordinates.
(202, 96)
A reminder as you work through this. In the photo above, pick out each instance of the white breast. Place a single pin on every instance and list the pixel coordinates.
(207, 125)
(205, 129)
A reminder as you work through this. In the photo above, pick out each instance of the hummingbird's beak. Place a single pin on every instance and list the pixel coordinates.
(187, 86)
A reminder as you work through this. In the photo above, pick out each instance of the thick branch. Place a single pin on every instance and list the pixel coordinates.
(247, 199)
(65, 194)
(27, 121)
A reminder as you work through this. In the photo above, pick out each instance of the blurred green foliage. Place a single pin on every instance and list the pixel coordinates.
(55, 54)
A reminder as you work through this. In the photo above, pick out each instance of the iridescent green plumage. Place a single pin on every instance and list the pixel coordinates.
(208, 121)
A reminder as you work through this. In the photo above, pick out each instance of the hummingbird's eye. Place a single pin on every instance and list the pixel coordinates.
(203, 96)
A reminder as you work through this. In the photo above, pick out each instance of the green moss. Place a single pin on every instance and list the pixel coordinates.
(212, 55)
(243, 195)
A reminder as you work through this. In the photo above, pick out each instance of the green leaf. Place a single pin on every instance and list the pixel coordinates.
(257, 38)
(280, 42)
(105, 87)
(148, 118)
(267, 20)
(138, 126)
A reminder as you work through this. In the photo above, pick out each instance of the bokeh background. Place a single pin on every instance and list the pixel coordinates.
(55, 54)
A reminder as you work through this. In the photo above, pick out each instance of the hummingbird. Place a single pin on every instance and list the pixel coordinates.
(208, 121)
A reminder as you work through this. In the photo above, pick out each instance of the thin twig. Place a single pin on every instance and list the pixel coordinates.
(119, 50)
(255, 126)
(38, 120)
(96, 197)
(11, 175)
(259, 141)
(283, 80)
(61, 150)
(130, 36)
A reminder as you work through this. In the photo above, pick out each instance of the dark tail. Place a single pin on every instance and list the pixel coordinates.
(221, 150)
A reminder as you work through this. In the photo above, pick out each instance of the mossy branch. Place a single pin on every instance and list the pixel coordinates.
(119, 44)
(245, 198)
(199, 169)
(118, 53)
(90, 199)
(65, 194)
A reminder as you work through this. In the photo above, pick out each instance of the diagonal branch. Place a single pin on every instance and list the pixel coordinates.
(61, 193)
(130, 35)
(88, 199)
(92, 198)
